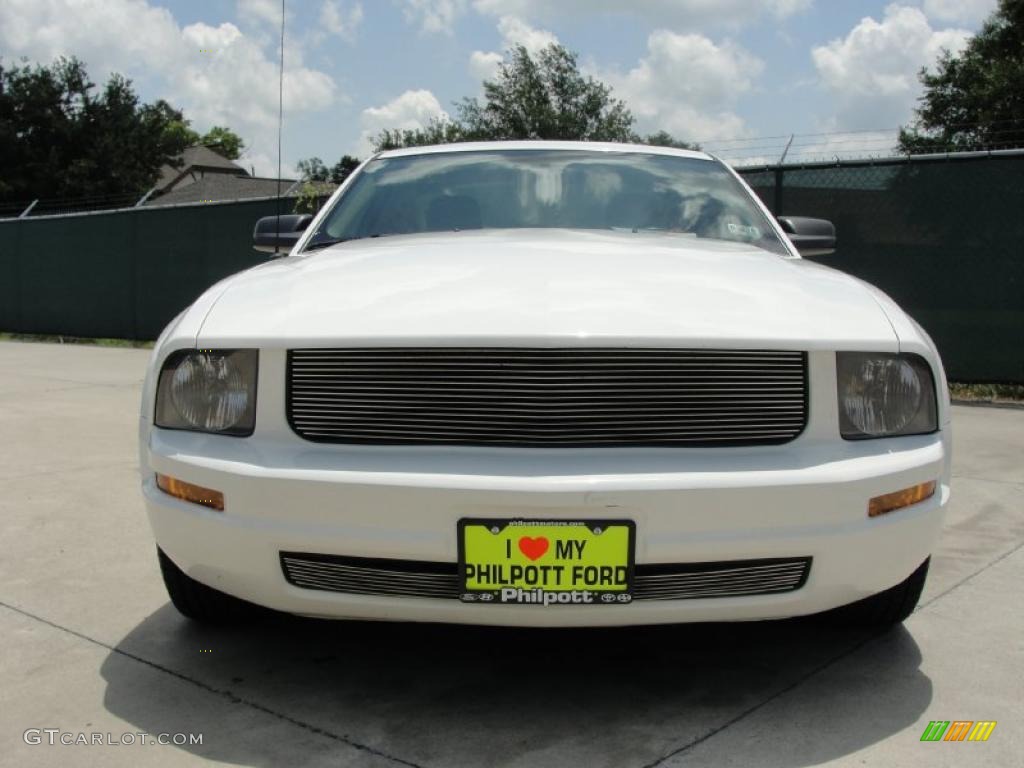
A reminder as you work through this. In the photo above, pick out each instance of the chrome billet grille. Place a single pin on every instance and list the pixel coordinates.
(406, 578)
(547, 397)
(751, 577)
(366, 576)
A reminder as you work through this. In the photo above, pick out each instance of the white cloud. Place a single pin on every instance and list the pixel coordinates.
(410, 111)
(105, 35)
(678, 14)
(687, 85)
(260, 11)
(517, 32)
(483, 65)
(872, 72)
(440, 15)
(343, 22)
(262, 164)
(216, 74)
(434, 15)
(513, 31)
(959, 11)
(238, 82)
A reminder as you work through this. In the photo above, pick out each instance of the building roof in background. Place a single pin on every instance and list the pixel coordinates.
(199, 158)
(222, 186)
(321, 188)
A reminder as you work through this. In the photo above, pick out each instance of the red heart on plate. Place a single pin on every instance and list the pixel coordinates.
(533, 548)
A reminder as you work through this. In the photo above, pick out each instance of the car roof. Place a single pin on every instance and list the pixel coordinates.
(589, 146)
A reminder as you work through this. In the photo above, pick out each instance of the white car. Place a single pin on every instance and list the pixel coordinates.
(549, 384)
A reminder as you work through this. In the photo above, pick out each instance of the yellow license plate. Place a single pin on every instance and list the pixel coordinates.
(546, 562)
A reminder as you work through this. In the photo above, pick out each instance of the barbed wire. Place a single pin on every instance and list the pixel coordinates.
(877, 144)
(873, 143)
(859, 153)
(67, 204)
(975, 124)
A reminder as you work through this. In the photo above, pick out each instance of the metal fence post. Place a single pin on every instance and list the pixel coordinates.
(145, 197)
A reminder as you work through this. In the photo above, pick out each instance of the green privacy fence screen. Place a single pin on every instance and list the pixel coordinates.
(944, 237)
(122, 274)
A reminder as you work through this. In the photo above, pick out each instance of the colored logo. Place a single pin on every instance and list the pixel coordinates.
(533, 547)
(958, 730)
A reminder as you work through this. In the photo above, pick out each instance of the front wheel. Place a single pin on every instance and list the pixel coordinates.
(200, 602)
(886, 608)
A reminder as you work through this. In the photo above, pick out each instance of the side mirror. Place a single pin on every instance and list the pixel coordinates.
(812, 237)
(266, 237)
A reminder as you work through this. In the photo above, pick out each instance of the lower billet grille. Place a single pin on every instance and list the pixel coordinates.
(407, 578)
(547, 397)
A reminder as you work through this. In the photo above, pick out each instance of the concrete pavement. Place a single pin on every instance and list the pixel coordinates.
(92, 645)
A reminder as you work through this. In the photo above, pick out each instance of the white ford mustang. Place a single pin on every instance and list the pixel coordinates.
(548, 384)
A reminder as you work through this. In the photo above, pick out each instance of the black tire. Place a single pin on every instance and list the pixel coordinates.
(199, 602)
(886, 608)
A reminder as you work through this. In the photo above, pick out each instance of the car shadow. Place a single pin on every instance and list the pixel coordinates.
(437, 695)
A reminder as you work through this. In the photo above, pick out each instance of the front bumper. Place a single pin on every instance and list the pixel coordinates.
(805, 499)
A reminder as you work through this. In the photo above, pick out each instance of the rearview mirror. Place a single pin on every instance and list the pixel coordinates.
(267, 237)
(812, 237)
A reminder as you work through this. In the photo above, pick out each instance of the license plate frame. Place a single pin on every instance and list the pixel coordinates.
(568, 589)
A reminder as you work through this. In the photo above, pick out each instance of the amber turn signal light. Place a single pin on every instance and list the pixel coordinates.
(196, 494)
(891, 501)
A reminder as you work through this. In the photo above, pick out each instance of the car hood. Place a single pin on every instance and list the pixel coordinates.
(512, 287)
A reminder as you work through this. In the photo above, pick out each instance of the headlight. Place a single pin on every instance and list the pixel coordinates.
(882, 395)
(208, 391)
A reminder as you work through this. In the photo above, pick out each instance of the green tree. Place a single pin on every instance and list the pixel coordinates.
(308, 199)
(179, 129)
(341, 169)
(546, 97)
(664, 139)
(538, 96)
(223, 141)
(62, 137)
(312, 169)
(314, 174)
(436, 132)
(975, 100)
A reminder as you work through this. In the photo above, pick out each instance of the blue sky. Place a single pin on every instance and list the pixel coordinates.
(723, 72)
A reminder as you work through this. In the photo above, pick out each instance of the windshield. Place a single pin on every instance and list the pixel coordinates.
(547, 188)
